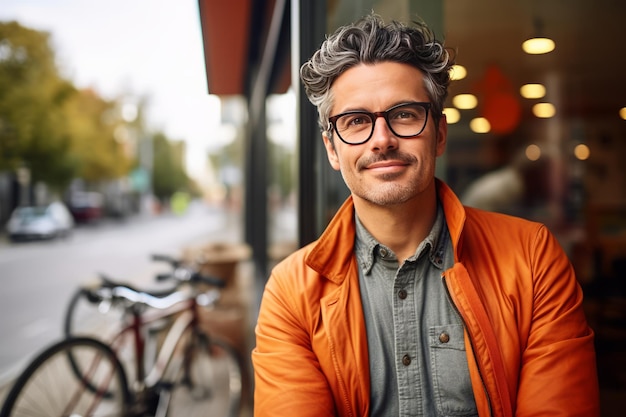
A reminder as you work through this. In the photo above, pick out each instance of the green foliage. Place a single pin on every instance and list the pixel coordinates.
(62, 133)
(32, 124)
(46, 124)
(168, 175)
(100, 156)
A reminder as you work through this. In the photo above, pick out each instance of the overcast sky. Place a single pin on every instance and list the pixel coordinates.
(147, 48)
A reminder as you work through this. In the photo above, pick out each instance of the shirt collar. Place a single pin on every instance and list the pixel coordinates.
(368, 250)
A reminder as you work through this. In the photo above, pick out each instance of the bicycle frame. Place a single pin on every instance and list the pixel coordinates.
(187, 318)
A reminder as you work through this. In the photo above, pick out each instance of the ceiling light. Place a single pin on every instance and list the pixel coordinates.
(622, 113)
(533, 152)
(536, 46)
(531, 91)
(544, 110)
(465, 101)
(457, 72)
(452, 115)
(480, 125)
(582, 152)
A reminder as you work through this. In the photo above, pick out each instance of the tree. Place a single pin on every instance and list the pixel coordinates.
(92, 123)
(168, 173)
(33, 129)
(46, 123)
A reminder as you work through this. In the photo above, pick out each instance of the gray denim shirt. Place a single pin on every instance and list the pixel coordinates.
(418, 364)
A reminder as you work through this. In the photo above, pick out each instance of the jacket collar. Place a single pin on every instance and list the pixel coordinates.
(455, 215)
(332, 254)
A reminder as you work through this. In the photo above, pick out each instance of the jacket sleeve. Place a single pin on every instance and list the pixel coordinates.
(558, 375)
(288, 376)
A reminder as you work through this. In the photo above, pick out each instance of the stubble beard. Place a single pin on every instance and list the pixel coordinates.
(388, 194)
(388, 191)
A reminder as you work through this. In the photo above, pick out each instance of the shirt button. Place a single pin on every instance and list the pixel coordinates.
(383, 252)
(402, 294)
(406, 360)
(444, 337)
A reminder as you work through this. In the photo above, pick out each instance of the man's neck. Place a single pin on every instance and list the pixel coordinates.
(399, 227)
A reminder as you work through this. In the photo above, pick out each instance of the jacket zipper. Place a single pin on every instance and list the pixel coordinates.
(469, 333)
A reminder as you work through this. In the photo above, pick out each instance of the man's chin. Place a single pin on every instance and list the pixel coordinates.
(387, 195)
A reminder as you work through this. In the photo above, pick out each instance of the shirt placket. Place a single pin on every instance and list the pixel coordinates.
(407, 330)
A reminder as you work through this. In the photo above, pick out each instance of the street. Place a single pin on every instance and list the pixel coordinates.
(38, 278)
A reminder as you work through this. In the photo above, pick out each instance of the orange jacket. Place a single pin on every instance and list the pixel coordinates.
(529, 348)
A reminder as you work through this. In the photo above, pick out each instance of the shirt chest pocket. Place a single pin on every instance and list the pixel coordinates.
(451, 381)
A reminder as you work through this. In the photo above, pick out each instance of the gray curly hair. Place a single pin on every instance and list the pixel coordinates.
(369, 41)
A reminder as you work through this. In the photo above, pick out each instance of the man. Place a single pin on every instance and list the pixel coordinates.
(410, 303)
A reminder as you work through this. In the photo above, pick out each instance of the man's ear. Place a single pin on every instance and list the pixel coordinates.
(331, 152)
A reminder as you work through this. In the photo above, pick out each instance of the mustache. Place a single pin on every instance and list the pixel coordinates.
(394, 154)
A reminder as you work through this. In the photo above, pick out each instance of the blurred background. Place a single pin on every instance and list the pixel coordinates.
(162, 126)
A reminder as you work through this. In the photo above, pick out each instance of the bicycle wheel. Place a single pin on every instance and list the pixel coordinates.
(85, 318)
(48, 387)
(209, 381)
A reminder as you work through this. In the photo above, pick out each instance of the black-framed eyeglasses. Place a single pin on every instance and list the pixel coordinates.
(405, 120)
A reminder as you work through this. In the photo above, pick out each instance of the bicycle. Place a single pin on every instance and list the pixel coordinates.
(193, 373)
(101, 319)
(87, 317)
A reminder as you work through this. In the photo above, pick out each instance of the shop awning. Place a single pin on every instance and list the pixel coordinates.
(235, 35)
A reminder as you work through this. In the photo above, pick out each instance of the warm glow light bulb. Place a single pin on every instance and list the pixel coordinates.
(458, 72)
(537, 46)
(531, 91)
(622, 113)
(480, 125)
(544, 110)
(533, 152)
(465, 101)
(582, 152)
(452, 115)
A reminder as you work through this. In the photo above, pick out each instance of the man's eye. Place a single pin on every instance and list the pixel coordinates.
(404, 115)
(357, 121)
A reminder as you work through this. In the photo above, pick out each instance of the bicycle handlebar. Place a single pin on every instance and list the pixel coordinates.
(185, 274)
(108, 290)
(166, 258)
(136, 297)
(110, 295)
(188, 275)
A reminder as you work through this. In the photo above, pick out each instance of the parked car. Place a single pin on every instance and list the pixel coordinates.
(40, 222)
(86, 206)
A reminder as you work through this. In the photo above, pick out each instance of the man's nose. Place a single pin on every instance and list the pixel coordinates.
(382, 136)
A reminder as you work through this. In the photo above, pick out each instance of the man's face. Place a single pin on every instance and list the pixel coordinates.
(386, 170)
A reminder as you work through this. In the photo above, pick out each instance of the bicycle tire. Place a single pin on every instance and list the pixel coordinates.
(209, 381)
(46, 387)
(83, 318)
